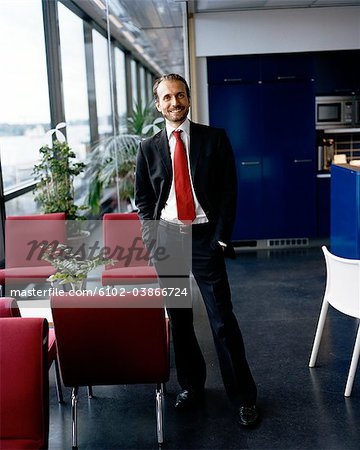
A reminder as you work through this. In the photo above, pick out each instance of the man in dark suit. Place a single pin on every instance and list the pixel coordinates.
(186, 182)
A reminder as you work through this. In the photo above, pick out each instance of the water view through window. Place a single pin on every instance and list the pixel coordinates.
(24, 106)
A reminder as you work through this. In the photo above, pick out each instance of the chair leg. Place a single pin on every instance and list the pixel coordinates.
(159, 414)
(353, 365)
(58, 382)
(319, 331)
(74, 401)
(90, 392)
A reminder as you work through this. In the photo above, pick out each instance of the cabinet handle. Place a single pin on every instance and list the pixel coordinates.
(296, 161)
(288, 77)
(232, 80)
(250, 163)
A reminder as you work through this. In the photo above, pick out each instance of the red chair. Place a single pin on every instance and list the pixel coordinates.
(23, 234)
(112, 340)
(24, 386)
(10, 308)
(122, 231)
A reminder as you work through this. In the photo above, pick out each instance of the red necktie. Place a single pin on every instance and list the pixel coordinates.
(184, 198)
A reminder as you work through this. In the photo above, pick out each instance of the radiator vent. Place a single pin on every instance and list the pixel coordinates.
(292, 242)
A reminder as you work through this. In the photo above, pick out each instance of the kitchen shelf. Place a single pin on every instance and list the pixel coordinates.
(341, 141)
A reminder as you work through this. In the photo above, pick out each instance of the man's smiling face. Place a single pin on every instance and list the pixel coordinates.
(173, 101)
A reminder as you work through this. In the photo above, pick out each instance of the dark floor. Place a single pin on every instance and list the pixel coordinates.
(277, 297)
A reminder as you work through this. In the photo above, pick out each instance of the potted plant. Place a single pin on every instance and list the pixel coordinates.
(143, 121)
(70, 267)
(112, 161)
(56, 172)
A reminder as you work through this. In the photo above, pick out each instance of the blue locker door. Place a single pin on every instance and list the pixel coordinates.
(289, 163)
(237, 108)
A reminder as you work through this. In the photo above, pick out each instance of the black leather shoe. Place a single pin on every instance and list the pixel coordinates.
(248, 416)
(187, 398)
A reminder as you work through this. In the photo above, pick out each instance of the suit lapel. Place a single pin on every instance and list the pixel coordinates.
(195, 147)
(162, 144)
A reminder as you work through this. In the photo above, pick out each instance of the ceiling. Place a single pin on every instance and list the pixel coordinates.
(157, 25)
(238, 5)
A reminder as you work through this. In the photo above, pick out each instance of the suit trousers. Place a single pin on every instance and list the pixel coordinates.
(196, 251)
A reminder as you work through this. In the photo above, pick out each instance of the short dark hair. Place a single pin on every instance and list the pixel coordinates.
(171, 77)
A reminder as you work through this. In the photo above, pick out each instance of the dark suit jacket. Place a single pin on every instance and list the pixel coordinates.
(212, 170)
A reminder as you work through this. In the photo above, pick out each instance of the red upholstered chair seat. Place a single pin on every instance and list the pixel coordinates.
(129, 275)
(106, 340)
(24, 386)
(26, 274)
(19, 444)
(24, 237)
(123, 231)
(10, 308)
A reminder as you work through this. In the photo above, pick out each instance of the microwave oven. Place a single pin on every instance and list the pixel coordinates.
(337, 112)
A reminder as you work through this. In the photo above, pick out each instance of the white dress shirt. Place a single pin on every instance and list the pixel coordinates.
(169, 213)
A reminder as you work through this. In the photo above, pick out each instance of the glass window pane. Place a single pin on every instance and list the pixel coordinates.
(24, 105)
(143, 86)
(150, 85)
(74, 81)
(133, 66)
(22, 205)
(121, 88)
(102, 84)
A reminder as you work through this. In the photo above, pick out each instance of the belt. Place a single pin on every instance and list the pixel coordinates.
(182, 228)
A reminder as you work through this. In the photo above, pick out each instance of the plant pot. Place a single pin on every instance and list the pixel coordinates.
(78, 243)
(78, 285)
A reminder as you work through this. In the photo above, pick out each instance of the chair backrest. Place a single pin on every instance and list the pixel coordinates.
(25, 234)
(105, 340)
(24, 386)
(122, 232)
(343, 283)
(9, 307)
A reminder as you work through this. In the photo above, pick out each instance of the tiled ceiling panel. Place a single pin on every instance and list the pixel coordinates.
(233, 5)
(157, 25)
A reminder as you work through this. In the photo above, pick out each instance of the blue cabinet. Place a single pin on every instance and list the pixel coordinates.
(272, 131)
(337, 72)
(287, 67)
(237, 108)
(289, 165)
(232, 69)
(345, 211)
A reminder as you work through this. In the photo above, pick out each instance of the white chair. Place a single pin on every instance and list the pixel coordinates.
(343, 293)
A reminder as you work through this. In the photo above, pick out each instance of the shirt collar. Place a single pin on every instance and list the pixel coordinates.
(185, 127)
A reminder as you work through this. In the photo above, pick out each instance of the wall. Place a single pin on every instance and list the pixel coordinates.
(271, 31)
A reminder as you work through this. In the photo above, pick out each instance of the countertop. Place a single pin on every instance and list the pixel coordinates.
(349, 166)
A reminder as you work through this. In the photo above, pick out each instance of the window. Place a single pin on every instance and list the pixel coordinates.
(22, 205)
(150, 85)
(74, 81)
(134, 86)
(143, 86)
(102, 84)
(121, 89)
(24, 106)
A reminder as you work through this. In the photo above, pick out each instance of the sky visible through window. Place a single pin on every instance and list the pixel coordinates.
(24, 105)
(23, 78)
